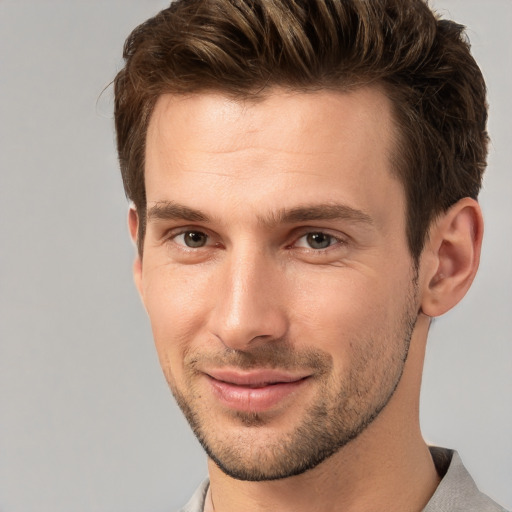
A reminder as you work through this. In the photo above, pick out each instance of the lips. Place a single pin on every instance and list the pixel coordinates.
(254, 391)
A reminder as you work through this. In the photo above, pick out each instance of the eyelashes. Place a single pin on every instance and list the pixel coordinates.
(317, 240)
(192, 239)
(310, 241)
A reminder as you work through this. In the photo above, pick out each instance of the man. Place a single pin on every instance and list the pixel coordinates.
(304, 178)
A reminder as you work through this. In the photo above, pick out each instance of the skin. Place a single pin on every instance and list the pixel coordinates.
(276, 241)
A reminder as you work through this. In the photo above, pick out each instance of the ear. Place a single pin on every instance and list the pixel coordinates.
(451, 257)
(133, 225)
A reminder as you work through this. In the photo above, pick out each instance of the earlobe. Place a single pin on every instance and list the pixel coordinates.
(453, 256)
(133, 225)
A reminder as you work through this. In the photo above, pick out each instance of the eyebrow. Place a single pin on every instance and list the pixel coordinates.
(170, 210)
(314, 212)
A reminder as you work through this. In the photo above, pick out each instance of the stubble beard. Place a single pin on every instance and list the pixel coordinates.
(336, 418)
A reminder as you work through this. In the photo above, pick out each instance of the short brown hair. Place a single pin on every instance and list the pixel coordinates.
(245, 47)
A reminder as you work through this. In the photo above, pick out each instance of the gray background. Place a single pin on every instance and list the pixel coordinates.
(86, 420)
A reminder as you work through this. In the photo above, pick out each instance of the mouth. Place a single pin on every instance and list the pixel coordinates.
(254, 391)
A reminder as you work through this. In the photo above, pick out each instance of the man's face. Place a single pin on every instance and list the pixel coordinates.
(276, 272)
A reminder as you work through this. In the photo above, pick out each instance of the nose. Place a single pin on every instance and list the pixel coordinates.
(248, 302)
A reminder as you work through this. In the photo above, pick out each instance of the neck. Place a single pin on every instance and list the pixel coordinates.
(388, 466)
(403, 480)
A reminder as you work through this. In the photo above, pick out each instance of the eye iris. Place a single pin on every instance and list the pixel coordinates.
(318, 240)
(195, 239)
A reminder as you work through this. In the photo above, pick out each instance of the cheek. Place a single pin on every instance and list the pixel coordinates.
(334, 298)
(174, 303)
(343, 310)
(172, 296)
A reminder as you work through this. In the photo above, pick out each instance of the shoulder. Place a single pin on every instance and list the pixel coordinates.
(457, 491)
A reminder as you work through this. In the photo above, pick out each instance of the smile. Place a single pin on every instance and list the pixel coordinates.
(256, 391)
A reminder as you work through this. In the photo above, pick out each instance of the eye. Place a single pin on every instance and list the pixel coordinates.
(192, 239)
(316, 240)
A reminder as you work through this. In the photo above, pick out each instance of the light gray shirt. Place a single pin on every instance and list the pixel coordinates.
(457, 491)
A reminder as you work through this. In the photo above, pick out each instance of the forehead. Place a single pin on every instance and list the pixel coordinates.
(225, 123)
(284, 149)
